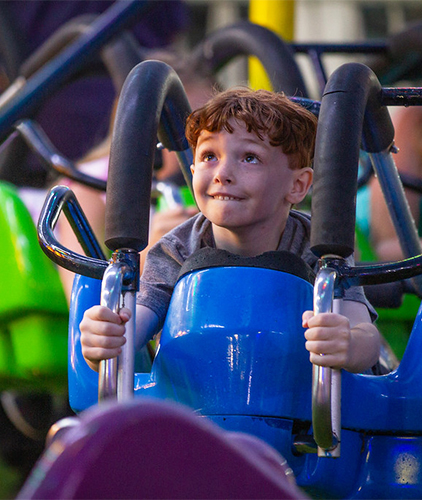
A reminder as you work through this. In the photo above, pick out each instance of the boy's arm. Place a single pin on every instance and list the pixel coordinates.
(347, 340)
(102, 332)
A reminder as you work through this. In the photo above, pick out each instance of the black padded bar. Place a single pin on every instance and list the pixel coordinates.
(152, 93)
(248, 39)
(350, 109)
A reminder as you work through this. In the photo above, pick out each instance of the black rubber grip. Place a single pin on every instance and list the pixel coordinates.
(350, 114)
(249, 39)
(152, 92)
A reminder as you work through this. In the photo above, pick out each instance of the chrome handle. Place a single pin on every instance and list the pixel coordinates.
(111, 289)
(326, 382)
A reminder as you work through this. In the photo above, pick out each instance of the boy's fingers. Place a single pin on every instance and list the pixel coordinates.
(125, 314)
(322, 347)
(319, 334)
(104, 342)
(327, 320)
(306, 316)
(101, 313)
(327, 360)
(96, 354)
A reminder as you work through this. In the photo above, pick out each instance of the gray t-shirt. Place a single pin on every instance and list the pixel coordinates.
(165, 258)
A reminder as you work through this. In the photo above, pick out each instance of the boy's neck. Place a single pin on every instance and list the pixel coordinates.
(246, 243)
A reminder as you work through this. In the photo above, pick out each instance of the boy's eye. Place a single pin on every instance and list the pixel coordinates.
(208, 157)
(251, 158)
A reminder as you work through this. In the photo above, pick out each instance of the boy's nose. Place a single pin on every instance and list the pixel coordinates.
(224, 173)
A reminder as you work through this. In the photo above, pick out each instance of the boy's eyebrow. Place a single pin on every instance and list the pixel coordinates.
(210, 136)
(205, 138)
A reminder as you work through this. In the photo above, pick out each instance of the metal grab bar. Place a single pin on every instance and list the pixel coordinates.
(326, 382)
(116, 375)
(119, 286)
(350, 115)
(111, 289)
(59, 199)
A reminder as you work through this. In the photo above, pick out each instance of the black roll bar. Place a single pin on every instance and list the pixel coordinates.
(248, 39)
(350, 109)
(153, 102)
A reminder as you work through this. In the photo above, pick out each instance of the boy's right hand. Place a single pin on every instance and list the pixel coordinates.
(102, 334)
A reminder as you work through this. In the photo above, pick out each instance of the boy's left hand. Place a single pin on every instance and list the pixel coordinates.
(328, 338)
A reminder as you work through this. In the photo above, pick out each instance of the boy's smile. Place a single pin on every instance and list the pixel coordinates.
(243, 185)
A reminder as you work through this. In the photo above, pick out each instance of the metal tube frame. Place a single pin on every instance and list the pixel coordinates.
(398, 207)
(119, 285)
(326, 382)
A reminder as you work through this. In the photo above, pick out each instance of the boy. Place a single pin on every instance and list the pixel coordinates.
(252, 161)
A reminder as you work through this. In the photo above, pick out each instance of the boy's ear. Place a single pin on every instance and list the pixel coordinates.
(192, 168)
(301, 183)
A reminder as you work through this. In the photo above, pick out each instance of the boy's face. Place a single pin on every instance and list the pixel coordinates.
(242, 182)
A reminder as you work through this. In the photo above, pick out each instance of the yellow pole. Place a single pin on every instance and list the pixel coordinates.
(278, 16)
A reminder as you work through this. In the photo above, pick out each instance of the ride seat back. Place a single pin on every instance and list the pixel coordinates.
(33, 307)
(233, 341)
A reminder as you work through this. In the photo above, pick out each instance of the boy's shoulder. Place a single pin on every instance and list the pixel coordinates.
(300, 220)
(198, 224)
(188, 236)
(303, 217)
(296, 236)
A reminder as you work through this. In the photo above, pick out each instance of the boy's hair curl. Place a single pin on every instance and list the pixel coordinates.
(264, 113)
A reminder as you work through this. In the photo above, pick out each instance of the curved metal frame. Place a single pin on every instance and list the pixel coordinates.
(326, 382)
(61, 198)
(115, 378)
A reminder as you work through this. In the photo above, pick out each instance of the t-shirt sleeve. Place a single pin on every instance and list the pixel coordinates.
(162, 266)
(357, 294)
(164, 261)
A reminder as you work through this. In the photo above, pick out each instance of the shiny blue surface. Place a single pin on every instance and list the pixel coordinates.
(218, 342)
(232, 349)
(391, 467)
(390, 402)
(82, 381)
(229, 340)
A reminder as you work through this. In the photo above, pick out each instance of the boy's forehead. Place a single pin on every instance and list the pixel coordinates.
(237, 126)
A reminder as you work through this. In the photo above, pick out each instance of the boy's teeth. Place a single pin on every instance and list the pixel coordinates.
(224, 198)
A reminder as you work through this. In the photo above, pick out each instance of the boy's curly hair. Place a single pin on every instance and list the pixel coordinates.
(264, 113)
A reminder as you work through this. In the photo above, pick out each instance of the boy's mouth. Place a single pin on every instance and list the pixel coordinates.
(224, 197)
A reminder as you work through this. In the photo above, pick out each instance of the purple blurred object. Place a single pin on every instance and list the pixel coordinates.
(156, 449)
(77, 117)
(38, 19)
